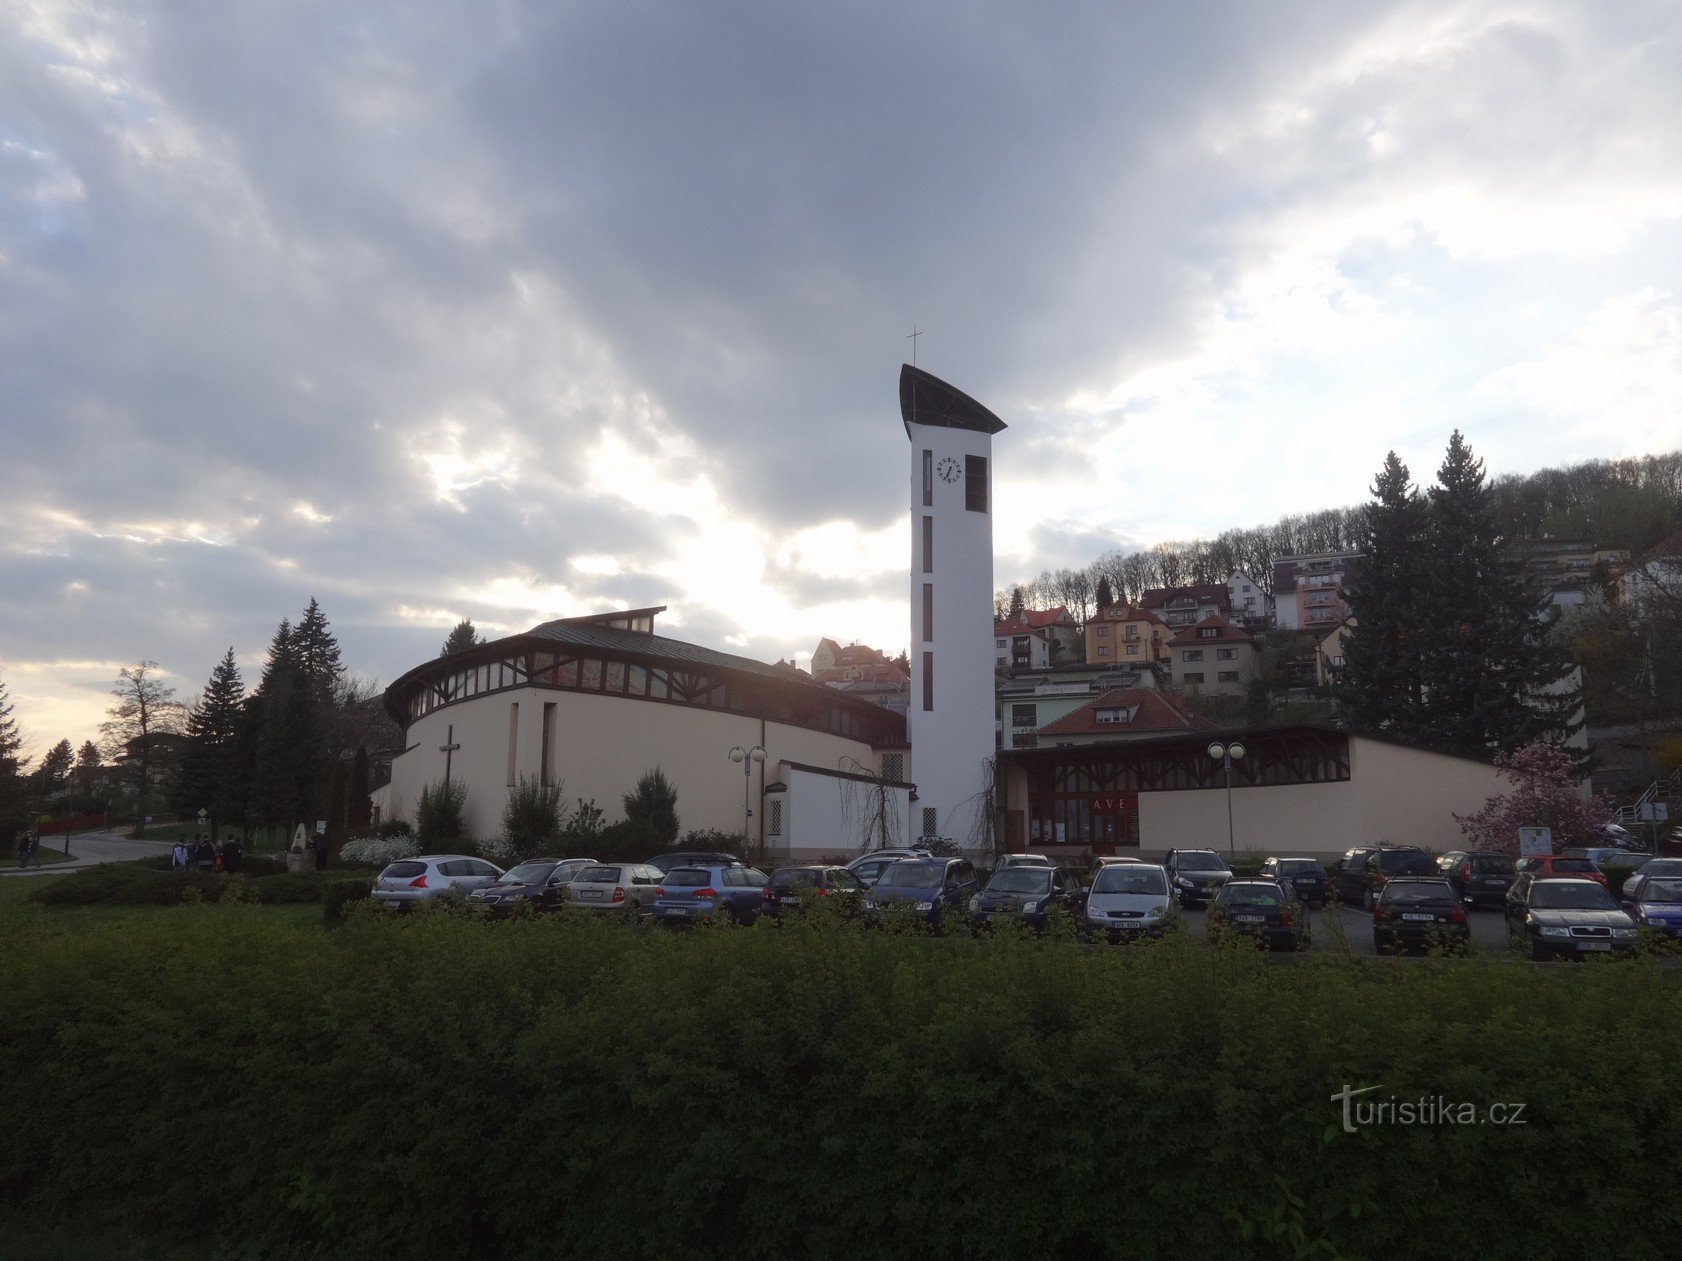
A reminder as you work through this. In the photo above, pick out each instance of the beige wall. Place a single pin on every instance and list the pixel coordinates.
(1405, 796)
(603, 744)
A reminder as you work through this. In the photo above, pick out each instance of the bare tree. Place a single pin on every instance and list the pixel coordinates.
(1073, 589)
(145, 711)
(868, 806)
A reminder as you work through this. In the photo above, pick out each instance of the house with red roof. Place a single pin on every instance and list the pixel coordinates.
(1656, 574)
(1135, 713)
(1035, 639)
(1214, 657)
(1186, 606)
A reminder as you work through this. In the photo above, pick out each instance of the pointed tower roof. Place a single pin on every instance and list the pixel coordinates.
(927, 400)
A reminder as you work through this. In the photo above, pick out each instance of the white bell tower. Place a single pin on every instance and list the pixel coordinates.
(950, 716)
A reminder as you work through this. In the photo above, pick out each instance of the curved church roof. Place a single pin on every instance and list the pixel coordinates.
(927, 400)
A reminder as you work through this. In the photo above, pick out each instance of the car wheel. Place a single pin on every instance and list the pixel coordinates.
(633, 910)
(725, 915)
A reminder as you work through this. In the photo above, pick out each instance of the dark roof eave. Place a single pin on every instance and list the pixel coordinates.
(924, 399)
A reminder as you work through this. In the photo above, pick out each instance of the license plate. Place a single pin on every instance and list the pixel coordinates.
(593, 893)
(1249, 919)
(1418, 918)
(677, 910)
(1594, 945)
(789, 901)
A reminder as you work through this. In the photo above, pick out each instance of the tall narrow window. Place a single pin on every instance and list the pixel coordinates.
(546, 768)
(928, 545)
(513, 740)
(931, 818)
(928, 612)
(975, 483)
(774, 825)
(928, 680)
(928, 479)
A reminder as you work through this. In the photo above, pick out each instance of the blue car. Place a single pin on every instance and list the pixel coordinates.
(722, 894)
(931, 887)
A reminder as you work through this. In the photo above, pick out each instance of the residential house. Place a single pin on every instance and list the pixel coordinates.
(1035, 639)
(1567, 571)
(829, 655)
(1186, 606)
(1308, 589)
(1135, 713)
(1247, 601)
(1215, 657)
(1328, 654)
(1121, 635)
(1027, 700)
(1656, 574)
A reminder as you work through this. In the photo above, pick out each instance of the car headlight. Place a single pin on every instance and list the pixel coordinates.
(1554, 932)
(1183, 882)
(925, 906)
(974, 906)
(1028, 908)
(1623, 933)
(870, 904)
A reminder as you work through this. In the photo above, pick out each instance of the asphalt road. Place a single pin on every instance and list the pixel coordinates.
(1488, 929)
(90, 849)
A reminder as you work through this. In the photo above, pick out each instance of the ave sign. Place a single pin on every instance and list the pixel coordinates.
(1535, 841)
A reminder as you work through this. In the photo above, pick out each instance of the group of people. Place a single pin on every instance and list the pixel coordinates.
(205, 853)
(29, 849)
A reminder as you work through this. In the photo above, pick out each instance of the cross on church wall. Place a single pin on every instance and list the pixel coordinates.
(448, 749)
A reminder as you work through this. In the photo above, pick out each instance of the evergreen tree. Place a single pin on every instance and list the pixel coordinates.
(460, 639)
(1378, 686)
(14, 786)
(1489, 680)
(287, 750)
(1018, 602)
(358, 809)
(651, 808)
(316, 651)
(1106, 596)
(337, 790)
(211, 777)
(90, 769)
(52, 776)
(282, 655)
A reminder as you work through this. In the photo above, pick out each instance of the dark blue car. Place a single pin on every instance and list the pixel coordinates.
(931, 888)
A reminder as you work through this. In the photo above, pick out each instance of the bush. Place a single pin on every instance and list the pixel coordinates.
(901, 1082)
(393, 828)
(376, 851)
(439, 818)
(499, 850)
(651, 808)
(531, 820)
(338, 895)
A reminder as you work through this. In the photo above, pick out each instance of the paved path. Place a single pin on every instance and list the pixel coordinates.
(91, 849)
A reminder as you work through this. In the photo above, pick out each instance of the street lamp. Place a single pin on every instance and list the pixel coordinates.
(747, 757)
(1226, 754)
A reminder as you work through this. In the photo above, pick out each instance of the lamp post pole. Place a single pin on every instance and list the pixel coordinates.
(1226, 754)
(747, 756)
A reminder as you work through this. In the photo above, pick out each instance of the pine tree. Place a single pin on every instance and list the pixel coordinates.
(460, 639)
(52, 776)
(652, 809)
(14, 787)
(1489, 680)
(1106, 596)
(317, 651)
(89, 769)
(211, 778)
(282, 656)
(358, 809)
(1378, 686)
(1018, 602)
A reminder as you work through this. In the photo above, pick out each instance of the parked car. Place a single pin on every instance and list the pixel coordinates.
(1307, 876)
(431, 878)
(791, 888)
(691, 858)
(1652, 869)
(1196, 874)
(1658, 905)
(1388, 862)
(869, 867)
(723, 894)
(1604, 856)
(1026, 892)
(1024, 860)
(541, 882)
(1129, 900)
(1480, 875)
(1101, 861)
(1349, 874)
(614, 889)
(933, 887)
(1268, 910)
(1559, 865)
(1416, 912)
(1566, 915)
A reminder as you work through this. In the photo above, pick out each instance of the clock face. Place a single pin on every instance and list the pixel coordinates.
(949, 470)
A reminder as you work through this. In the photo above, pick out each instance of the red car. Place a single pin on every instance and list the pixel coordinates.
(1540, 865)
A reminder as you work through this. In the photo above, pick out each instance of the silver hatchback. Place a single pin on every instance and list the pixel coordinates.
(627, 889)
(431, 878)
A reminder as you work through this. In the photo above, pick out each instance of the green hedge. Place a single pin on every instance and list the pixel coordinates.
(140, 884)
(435, 1085)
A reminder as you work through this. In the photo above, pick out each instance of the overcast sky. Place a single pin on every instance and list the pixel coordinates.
(515, 311)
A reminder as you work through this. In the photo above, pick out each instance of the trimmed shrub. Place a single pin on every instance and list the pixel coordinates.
(439, 816)
(338, 896)
(378, 851)
(531, 820)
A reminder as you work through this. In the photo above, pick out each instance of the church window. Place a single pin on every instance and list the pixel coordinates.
(975, 483)
(928, 479)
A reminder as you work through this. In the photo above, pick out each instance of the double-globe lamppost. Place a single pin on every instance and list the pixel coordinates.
(747, 757)
(1226, 754)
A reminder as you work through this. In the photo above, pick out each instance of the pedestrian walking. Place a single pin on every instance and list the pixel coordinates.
(178, 856)
(204, 853)
(231, 855)
(322, 845)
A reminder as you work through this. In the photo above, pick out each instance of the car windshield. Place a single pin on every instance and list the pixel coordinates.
(1301, 867)
(1662, 867)
(1130, 879)
(1252, 895)
(1571, 895)
(1662, 891)
(1020, 880)
(1415, 894)
(912, 876)
(526, 873)
(1194, 861)
(1492, 864)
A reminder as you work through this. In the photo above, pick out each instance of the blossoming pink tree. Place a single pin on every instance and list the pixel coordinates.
(1545, 795)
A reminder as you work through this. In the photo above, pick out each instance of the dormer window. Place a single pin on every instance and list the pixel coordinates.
(1210, 632)
(1114, 714)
